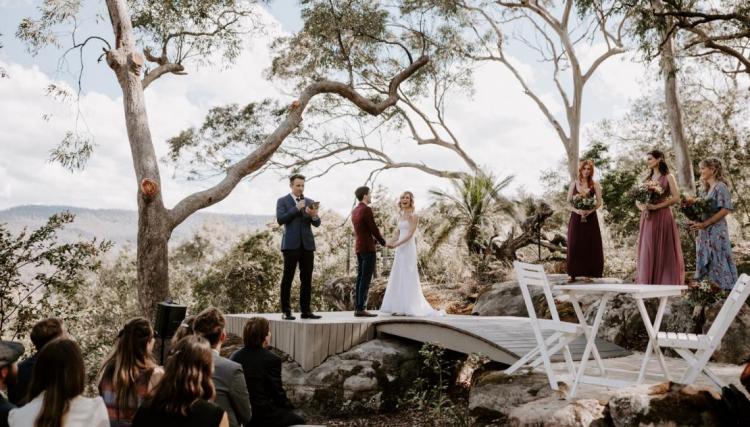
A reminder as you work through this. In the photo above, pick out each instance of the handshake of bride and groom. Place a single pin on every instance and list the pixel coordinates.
(298, 214)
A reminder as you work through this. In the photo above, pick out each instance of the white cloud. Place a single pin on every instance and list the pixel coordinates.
(500, 127)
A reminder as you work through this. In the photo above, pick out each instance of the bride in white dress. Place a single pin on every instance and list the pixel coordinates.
(403, 295)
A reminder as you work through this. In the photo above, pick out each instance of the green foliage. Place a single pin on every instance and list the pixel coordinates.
(472, 207)
(102, 305)
(245, 279)
(621, 214)
(705, 293)
(429, 391)
(228, 133)
(338, 38)
(184, 29)
(38, 275)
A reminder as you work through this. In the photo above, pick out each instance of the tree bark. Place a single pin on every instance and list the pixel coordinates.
(506, 251)
(684, 163)
(153, 229)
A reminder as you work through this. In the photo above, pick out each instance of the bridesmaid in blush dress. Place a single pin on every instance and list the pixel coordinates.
(585, 255)
(659, 260)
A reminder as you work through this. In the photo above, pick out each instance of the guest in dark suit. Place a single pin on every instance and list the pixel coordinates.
(366, 232)
(262, 369)
(228, 378)
(297, 213)
(10, 351)
(43, 332)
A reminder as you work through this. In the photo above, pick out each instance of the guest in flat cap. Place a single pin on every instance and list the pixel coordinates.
(10, 351)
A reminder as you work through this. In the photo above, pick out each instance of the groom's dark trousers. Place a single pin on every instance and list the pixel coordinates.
(366, 233)
(298, 248)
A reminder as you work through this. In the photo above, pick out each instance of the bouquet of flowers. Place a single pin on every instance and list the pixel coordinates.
(584, 203)
(695, 207)
(646, 192)
(704, 293)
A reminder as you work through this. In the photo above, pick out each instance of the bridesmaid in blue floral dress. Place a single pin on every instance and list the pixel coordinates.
(713, 247)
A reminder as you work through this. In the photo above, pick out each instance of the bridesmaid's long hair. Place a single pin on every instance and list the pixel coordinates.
(590, 180)
(663, 167)
(718, 168)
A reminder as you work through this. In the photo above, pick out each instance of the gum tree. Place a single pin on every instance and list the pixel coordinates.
(151, 39)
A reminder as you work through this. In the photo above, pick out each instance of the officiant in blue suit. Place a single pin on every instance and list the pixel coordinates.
(297, 214)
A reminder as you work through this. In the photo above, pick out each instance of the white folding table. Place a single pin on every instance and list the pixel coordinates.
(607, 291)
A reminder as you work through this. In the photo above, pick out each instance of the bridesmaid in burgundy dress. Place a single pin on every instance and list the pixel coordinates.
(585, 255)
(659, 260)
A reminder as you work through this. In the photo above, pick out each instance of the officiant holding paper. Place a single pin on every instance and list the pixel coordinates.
(297, 214)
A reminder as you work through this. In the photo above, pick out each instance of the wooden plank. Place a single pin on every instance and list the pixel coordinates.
(340, 331)
(297, 339)
(331, 339)
(347, 336)
(310, 343)
(320, 347)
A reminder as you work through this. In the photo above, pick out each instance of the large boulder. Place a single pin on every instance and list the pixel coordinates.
(735, 346)
(666, 404)
(505, 299)
(556, 412)
(368, 378)
(526, 399)
(494, 394)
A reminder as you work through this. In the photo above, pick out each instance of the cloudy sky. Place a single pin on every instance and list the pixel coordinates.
(498, 125)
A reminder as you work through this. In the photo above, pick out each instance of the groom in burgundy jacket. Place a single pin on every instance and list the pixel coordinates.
(366, 233)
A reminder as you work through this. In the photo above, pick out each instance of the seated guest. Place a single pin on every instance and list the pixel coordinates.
(130, 372)
(229, 380)
(56, 391)
(185, 329)
(182, 397)
(262, 369)
(43, 332)
(9, 353)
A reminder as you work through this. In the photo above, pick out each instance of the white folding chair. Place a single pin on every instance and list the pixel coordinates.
(697, 349)
(562, 332)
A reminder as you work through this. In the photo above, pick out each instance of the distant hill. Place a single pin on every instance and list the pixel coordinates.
(121, 226)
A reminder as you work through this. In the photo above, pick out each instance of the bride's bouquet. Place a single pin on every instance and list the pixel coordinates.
(695, 207)
(584, 203)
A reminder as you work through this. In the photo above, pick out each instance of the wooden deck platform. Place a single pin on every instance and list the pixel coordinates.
(310, 342)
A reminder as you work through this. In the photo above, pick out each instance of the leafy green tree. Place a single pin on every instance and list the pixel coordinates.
(39, 275)
(245, 279)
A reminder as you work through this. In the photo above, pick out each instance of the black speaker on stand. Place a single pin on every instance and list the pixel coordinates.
(169, 316)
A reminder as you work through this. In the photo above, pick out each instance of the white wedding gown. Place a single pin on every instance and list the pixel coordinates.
(403, 295)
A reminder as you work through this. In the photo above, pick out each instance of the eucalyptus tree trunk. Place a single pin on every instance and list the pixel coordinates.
(153, 227)
(683, 160)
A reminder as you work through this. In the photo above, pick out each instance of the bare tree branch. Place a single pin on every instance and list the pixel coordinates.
(258, 157)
